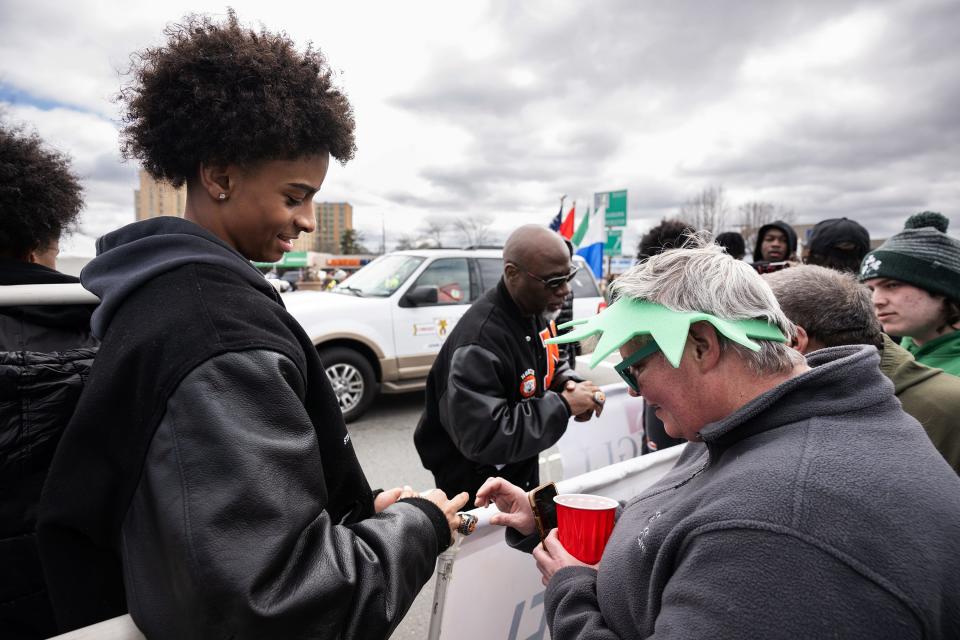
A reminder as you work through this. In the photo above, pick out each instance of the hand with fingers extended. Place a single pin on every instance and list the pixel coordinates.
(387, 497)
(551, 557)
(450, 507)
(584, 398)
(513, 503)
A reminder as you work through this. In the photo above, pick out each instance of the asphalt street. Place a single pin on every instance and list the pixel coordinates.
(383, 439)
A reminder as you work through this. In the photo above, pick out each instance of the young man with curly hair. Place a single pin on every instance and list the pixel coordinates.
(45, 357)
(207, 481)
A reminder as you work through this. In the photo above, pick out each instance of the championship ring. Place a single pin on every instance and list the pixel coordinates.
(468, 523)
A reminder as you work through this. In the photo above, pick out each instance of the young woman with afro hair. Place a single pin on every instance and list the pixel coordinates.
(207, 482)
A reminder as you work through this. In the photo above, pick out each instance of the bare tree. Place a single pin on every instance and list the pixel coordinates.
(405, 241)
(758, 213)
(707, 210)
(433, 227)
(474, 230)
(351, 242)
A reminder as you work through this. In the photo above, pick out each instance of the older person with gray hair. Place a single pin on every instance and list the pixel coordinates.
(831, 308)
(806, 504)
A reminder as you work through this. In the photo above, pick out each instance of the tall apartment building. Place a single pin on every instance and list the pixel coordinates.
(155, 198)
(333, 218)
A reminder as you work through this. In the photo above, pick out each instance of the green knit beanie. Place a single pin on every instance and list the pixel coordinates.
(922, 255)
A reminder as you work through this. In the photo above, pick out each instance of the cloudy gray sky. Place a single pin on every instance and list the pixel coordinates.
(497, 108)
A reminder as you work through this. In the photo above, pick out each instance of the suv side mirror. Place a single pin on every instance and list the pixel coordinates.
(419, 296)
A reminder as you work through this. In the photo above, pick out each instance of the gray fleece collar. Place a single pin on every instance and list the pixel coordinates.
(840, 380)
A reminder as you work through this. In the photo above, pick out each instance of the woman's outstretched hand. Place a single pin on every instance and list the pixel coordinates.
(512, 502)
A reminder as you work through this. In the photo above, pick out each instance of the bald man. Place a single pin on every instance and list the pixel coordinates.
(497, 395)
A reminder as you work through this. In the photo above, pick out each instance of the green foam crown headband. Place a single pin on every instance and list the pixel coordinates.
(628, 318)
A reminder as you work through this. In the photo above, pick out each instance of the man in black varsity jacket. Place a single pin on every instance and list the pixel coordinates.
(496, 395)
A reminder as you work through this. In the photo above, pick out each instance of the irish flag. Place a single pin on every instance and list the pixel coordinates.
(589, 240)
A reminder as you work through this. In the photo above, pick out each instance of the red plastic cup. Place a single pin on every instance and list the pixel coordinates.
(584, 524)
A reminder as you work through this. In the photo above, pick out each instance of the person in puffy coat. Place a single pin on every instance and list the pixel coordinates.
(45, 357)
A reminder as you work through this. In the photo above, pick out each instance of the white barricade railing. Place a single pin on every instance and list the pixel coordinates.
(26, 294)
(120, 628)
(613, 437)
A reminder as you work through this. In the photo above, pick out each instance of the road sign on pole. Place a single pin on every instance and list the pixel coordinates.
(615, 203)
(290, 259)
(614, 244)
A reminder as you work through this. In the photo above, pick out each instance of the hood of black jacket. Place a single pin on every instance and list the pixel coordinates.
(134, 254)
(782, 226)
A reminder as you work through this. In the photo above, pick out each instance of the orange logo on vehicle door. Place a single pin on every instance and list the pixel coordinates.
(553, 353)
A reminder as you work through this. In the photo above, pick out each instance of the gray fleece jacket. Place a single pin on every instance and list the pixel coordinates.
(818, 510)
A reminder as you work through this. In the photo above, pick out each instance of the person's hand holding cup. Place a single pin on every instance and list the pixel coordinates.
(584, 525)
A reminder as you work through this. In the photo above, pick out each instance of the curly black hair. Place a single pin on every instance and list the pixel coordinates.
(40, 196)
(220, 93)
(669, 234)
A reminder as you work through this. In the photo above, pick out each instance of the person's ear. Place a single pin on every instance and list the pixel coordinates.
(510, 271)
(217, 180)
(704, 345)
(801, 341)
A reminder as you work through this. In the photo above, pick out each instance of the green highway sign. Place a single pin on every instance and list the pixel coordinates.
(615, 203)
(614, 244)
(291, 259)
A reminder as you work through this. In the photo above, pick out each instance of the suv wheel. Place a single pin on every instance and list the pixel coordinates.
(352, 378)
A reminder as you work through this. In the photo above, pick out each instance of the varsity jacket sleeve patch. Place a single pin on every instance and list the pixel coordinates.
(227, 533)
(476, 412)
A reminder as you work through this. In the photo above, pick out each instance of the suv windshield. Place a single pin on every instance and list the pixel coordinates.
(381, 277)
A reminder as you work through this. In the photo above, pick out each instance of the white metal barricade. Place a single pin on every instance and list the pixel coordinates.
(26, 294)
(119, 628)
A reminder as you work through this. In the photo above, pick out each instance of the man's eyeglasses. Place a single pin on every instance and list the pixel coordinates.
(624, 368)
(557, 281)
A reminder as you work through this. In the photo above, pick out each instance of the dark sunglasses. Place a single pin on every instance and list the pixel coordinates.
(558, 281)
(623, 369)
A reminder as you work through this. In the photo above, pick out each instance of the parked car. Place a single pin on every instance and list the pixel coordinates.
(381, 329)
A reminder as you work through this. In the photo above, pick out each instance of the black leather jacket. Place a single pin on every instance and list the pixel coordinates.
(227, 530)
(207, 482)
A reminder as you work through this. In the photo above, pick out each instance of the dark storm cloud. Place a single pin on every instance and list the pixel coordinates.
(877, 166)
(521, 158)
(685, 56)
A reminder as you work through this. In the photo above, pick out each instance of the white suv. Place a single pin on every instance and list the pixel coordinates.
(381, 329)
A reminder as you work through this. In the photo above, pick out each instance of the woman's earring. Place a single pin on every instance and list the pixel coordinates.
(223, 196)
